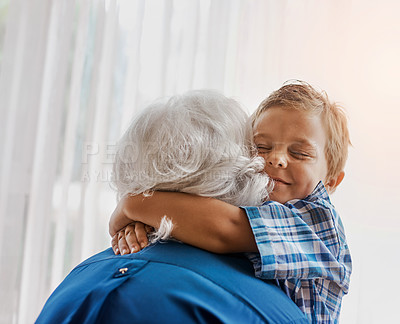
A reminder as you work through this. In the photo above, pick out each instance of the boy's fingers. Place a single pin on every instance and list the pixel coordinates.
(122, 244)
(141, 234)
(131, 239)
(149, 229)
(114, 244)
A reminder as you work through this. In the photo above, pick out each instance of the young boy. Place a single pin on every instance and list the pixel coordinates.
(298, 235)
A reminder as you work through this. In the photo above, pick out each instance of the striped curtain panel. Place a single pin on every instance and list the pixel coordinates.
(73, 75)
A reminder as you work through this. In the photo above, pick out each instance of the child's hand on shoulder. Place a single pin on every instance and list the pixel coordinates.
(131, 239)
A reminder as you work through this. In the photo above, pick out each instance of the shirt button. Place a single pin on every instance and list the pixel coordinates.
(121, 272)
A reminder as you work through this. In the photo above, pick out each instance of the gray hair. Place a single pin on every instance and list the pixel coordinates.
(199, 143)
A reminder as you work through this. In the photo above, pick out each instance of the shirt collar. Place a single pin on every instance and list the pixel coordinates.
(318, 193)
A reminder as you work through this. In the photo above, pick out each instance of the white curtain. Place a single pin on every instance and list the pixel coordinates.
(74, 73)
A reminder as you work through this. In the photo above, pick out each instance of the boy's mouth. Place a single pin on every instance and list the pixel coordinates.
(279, 180)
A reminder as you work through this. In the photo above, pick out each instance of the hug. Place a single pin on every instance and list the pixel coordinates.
(254, 193)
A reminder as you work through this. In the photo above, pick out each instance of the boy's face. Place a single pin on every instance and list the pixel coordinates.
(292, 143)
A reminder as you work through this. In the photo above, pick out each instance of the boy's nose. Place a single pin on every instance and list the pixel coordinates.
(277, 160)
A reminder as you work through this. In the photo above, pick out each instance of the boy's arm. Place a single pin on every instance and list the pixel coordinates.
(203, 222)
(305, 241)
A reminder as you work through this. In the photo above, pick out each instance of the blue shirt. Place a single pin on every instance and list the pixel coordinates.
(302, 245)
(167, 283)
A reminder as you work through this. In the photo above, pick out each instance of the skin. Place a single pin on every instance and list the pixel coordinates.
(213, 225)
(292, 142)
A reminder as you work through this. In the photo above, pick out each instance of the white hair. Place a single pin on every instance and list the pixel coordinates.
(199, 143)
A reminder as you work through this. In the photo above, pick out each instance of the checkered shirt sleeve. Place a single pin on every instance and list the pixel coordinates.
(302, 245)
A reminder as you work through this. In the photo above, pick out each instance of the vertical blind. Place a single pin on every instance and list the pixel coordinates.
(73, 74)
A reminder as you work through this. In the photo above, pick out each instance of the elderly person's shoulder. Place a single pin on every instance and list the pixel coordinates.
(167, 282)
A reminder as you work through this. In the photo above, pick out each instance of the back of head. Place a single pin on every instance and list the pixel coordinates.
(300, 95)
(199, 143)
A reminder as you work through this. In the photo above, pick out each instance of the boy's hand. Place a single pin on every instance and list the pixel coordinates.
(119, 218)
(131, 239)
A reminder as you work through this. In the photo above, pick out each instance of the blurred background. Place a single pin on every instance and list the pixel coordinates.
(73, 73)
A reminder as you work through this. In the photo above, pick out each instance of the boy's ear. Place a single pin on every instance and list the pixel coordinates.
(334, 182)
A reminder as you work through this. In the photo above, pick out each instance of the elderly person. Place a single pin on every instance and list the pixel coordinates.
(199, 143)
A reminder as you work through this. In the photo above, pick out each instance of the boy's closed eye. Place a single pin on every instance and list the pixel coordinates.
(302, 151)
(263, 149)
(296, 153)
(301, 155)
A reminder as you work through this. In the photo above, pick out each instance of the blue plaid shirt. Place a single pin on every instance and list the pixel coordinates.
(302, 245)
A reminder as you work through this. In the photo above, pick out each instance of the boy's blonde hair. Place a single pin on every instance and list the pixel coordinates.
(300, 95)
